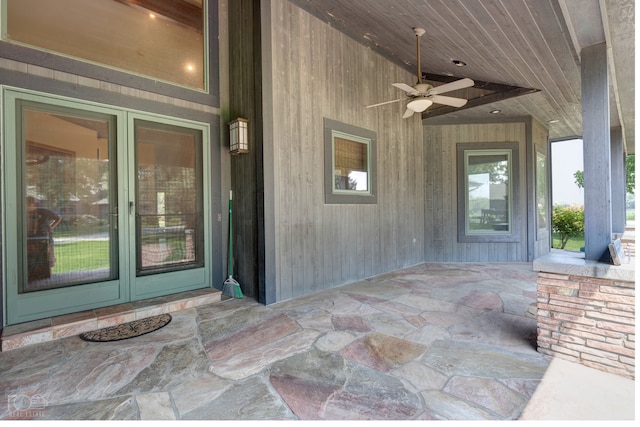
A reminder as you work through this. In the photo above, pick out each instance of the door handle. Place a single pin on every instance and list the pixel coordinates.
(132, 206)
(114, 220)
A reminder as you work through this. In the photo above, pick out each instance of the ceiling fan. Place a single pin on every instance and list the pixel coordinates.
(423, 95)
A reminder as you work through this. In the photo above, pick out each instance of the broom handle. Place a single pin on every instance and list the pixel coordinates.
(230, 261)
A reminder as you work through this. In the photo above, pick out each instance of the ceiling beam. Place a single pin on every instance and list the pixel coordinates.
(179, 10)
(500, 92)
(513, 92)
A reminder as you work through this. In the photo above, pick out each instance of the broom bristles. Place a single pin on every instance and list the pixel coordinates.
(232, 288)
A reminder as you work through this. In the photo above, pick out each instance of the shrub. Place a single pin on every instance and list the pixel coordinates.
(567, 222)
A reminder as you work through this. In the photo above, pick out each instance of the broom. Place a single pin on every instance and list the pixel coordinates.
(231, 286)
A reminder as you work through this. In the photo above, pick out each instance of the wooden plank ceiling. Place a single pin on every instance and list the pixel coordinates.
(531, 46)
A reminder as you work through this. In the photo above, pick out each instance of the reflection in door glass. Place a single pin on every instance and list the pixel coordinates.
(488, 191)
(68, 200)
(169, 217)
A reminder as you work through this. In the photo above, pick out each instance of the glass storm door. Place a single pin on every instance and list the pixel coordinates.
(168, 207)
(101, 206)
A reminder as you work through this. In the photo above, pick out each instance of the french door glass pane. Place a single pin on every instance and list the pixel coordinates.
(169, 218)
(68, 225)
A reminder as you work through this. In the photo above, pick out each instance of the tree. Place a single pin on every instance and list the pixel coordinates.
(630, 165)
(579, 177)
(567, 222)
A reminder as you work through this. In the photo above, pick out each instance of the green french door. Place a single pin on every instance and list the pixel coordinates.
(102, 206)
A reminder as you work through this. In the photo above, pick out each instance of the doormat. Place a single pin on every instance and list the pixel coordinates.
(128, 330)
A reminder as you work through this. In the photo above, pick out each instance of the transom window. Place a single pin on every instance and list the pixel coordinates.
(163, 40)
(349, 164)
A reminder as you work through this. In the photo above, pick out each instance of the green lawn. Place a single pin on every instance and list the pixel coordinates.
(87, 255)
(574, 243)
(81, 256)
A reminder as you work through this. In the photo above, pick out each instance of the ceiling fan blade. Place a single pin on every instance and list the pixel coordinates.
(448, 100)
(383, 103)
(458, 84)
(406, 88)
(408, 113)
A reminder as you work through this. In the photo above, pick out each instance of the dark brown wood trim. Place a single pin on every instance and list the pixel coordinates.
(511, 92)
(178, 10)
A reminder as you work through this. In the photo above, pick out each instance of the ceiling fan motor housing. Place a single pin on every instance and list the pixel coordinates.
(423, 87)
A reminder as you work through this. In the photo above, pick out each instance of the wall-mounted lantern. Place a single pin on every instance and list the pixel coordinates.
(239, 135)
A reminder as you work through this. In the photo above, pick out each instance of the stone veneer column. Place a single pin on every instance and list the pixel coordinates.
(586, 312)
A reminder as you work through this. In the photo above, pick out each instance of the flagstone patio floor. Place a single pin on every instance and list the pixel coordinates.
(436, 341)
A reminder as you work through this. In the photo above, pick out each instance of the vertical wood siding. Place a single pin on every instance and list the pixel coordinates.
(441, 239)
(244, 87)
(319, 72)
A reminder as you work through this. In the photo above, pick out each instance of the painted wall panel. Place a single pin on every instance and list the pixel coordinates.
(319, 72)
(441, 175)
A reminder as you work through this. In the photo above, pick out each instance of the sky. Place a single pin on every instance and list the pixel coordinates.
(567, 158)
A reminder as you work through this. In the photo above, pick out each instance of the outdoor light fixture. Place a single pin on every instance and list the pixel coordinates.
(494, 112)
(458, 63)
(239, 136)
(419, 105)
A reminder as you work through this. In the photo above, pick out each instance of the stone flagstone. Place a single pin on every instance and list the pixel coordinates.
(382, 352)
(351, 323)
(487, 393)
(400, 346)
(245, 364)
(118, 408)
(482, 300)
(368, 395)
(174, 364)
(473, 359)
(321, 385)
(444, 406)
(334, 340)
(306, 380)
(251, 399)
(155, 406)
(251, 337)
(94, 375)
(195, 392)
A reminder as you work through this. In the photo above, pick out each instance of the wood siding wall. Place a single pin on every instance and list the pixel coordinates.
(244, 101)
(318, 72)
(441, 239)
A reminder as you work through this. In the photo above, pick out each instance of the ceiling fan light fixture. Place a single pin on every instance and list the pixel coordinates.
(419, 105)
